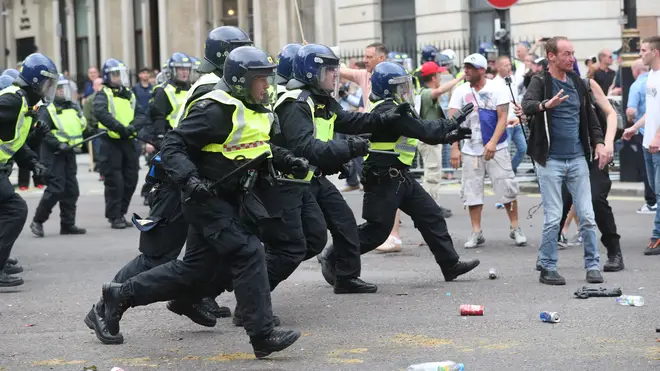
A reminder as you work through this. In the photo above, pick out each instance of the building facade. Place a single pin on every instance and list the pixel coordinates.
(591, 24)
(78, 34)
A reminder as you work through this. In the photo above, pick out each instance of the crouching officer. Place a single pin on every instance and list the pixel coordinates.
(162, 236)
(220, 132)
(309, 116)
(57, 153)
(114, 107)
(389, 186)
(36, 81)
(219, 43)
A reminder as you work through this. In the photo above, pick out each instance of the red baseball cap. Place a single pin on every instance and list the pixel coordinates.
(431, 68)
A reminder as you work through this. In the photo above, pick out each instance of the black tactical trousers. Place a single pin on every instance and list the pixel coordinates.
(218, 243)
(384, 194)
(61, 186)
(13, 213)
(118, 164)
(296, 229)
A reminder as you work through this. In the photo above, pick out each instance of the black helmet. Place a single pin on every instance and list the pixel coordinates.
(242, 66)
(219, 43)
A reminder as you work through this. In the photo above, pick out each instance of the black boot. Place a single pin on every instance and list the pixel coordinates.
(116, 302)
(126, 222)
(9, 281)
(458, 269)
(353, 286)
(551, 278)
(238, 318)
(276, 341)
(94, 320)
(13, 268)
(12, 261)
(328, 265)
(446, 213)
(118, 223)
(37, 229)
(614, 264)
(71, 229)
(594, 276)
(210, 305)
(195, 312)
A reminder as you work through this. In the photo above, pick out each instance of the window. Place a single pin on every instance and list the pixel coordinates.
(482, 23)
(398, 26)
(139, 44)
(82, 39)
(230, 15)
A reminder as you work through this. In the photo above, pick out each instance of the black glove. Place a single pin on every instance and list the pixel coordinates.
(39, 169)
(345, 170)
(197, 189)
(463, 113)
(63, 148)
(590, 292)
(127, 131)
(395, 113)
(41, 129)
(458, 134)
(359, 145)
(299, 166)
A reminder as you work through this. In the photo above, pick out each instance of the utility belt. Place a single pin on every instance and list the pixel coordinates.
(384, 175)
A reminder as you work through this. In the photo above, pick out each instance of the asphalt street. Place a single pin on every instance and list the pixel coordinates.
(413, 318)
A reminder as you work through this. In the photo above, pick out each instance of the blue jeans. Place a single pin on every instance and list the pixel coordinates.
(446, 156)
(516, 135)
(575, 173)
(652, 162)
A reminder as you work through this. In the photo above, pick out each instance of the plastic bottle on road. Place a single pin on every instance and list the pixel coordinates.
(437, 366)
(630, 300)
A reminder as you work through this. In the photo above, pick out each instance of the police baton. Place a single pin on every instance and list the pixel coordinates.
(243, 168)
(90, 138)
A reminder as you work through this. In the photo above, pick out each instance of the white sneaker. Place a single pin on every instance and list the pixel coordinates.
(392, 244)
(476, 239)
(518, 236)
(647, 209)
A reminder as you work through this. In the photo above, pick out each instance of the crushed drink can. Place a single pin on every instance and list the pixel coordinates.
(550, 317)
(492, 274)
(472, 310)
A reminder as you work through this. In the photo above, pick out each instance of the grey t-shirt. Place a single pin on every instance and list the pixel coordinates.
(565, 131)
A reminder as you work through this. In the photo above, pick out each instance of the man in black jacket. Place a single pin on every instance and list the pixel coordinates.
(564, 144)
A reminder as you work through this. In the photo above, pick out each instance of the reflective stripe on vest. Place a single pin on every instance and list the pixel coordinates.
(124, 112)
(68, 125)
(21, 131)
(176, 101)
(406, 147)
(250, 135)
(209, 78)
(324, 129)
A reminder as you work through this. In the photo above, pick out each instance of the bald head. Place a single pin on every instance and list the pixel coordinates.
(638, 67)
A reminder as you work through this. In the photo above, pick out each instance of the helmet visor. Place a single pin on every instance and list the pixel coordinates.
(119, 77)
(63, 92)
(328, 80)
(47, 90)
(161, 77)
(403, 91)
(182, 74)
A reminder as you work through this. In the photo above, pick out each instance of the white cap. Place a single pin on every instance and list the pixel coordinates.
(477, 60)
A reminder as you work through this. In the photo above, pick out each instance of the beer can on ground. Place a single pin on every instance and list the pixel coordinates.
(472, 310)
(551, 317)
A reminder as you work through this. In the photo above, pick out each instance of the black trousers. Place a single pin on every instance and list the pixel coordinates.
(23, 173)
(118, 164)
(61, 186)
(342, 225)
(383, 195)
(218, 243)
(600, 188)
(163, 242)
(298, 231)
(13, 213)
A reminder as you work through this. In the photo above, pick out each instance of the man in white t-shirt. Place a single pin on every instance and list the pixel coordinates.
(650, 53)
(488, 123)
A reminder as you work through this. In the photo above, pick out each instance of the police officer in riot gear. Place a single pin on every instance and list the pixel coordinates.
(114, 107)
(221, 131)
(219, 43)
(36, 81)
(429, 54)
(388, 185)
(194, 73)
(285, 66)
(309, 115)
(65, 119)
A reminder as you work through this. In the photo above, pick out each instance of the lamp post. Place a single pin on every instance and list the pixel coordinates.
(629, 53)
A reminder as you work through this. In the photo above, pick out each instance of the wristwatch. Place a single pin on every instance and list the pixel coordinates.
(543, 104)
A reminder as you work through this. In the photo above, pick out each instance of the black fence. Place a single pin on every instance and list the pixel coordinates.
(461, 47)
